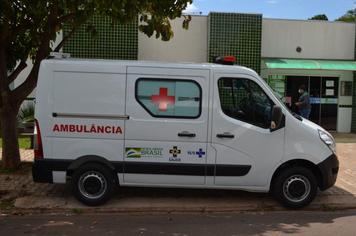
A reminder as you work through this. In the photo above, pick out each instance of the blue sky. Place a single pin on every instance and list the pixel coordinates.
(286, 9)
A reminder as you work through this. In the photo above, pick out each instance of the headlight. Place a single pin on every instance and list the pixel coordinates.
(328, 140)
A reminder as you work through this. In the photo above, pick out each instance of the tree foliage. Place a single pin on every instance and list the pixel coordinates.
(319, 17)
(350, 16)
(28, 24)
(27, 28)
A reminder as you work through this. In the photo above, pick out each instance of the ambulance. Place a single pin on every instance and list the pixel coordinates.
(106, 123)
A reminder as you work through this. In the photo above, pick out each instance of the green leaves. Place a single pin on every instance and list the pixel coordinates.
(319, 17)
(28, 26)
(350, 16)
(162, 27)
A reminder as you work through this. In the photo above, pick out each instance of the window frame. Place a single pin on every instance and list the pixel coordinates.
(169, 80)
(249, 80)
(343, 90)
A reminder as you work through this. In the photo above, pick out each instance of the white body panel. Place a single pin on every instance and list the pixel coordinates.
(147, 131)
(89, 108)
(260, 148)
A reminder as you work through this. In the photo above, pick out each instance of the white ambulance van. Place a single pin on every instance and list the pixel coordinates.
(103, 123)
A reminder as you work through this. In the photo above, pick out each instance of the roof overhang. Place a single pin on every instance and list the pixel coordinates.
(279, 63)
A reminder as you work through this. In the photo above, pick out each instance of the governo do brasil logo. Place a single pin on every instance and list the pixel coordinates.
(133, 152)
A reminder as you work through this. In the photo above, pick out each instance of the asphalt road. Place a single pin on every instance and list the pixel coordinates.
(262, 223)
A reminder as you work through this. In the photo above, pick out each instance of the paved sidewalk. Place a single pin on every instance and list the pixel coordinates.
(26, 155)
(29, 196)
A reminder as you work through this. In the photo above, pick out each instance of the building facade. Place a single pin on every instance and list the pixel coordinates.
(318, 54)
(286, 53)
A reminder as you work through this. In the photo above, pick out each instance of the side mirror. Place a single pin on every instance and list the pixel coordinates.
(277, 116)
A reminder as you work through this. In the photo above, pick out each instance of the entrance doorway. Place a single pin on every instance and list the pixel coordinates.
(323, 93)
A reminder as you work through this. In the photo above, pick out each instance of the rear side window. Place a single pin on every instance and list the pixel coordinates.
(169, 98)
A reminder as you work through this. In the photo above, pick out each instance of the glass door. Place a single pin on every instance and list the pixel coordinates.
(323, 93)
(329, 102)
(292, 95)
(314, 93)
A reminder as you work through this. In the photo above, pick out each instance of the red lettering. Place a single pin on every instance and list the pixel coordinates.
(85, 129)
(92, 129)
(56, 128)
(79, 128)
(100, 129)
(118, 130)
(64, 128)
(72, 128)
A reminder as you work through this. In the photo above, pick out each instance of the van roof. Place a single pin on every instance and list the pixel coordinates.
(124, 63)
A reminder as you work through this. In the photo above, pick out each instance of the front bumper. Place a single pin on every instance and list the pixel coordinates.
(329, 169)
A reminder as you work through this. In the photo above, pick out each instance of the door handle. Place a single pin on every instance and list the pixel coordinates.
(225, 135)
(186, 134)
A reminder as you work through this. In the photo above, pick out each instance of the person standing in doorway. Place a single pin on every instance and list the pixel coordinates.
(303, 102)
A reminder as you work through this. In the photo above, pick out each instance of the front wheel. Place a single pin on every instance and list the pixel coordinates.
(295, 187)
(93, 184)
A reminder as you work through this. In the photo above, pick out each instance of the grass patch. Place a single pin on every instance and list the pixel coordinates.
(24, 142)
(7, 204)
(326, 207)
(77, 211)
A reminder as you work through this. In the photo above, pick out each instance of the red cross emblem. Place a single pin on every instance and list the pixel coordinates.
(162, 100)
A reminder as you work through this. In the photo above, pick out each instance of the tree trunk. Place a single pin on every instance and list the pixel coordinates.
(10, 145)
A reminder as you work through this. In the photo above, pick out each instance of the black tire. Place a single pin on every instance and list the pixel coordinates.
(295, 187)
(93, 184)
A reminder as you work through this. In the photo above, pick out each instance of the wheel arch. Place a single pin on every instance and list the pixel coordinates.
(91, 159)
(298, 163)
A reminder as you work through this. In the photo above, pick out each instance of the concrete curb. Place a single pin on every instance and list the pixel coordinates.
(31, 205)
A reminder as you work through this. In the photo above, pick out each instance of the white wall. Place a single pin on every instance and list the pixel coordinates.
(186, 45)
(318, 39)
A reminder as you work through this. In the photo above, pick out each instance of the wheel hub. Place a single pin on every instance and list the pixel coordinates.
(296, 188)
(92, 184)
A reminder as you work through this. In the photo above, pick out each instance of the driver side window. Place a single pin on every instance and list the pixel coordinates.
(244, 100)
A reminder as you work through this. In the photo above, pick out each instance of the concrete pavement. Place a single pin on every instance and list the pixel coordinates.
(22, 194)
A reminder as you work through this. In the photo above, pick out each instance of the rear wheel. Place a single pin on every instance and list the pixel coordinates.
(295, 187)
(93, 184)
